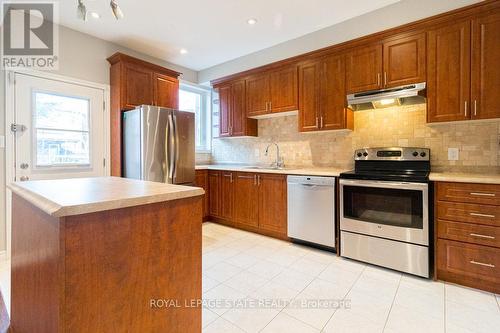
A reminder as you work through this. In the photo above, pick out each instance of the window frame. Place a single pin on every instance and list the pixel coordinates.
(34, 128)
(205, 112)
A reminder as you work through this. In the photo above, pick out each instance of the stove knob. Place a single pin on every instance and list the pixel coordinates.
(359, 154)
(365, 154)
(423, 154)
(415, 154)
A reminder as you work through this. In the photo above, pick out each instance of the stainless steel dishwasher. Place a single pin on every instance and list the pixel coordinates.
(311, 209)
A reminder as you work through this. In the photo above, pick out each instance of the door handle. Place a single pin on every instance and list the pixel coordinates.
(482, 194)
(475, 107)
(321, 122)
(317, 122)
(385, 79)
(481, 236)
(465, 108)
(378, 79)
(482, 215)
(481, 264)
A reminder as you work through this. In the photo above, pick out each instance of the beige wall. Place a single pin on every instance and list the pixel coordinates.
(391, 16)
(398, 126)
(83, 57)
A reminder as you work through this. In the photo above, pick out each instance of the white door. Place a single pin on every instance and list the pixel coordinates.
(60, 130)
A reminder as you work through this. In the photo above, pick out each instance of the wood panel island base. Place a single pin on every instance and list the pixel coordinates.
(105, 255)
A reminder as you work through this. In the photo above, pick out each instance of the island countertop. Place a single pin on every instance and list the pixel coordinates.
(67, 197)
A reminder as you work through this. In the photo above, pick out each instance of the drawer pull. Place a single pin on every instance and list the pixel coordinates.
(482, 264)
(482, 236)
(482, 215)
(483, 194)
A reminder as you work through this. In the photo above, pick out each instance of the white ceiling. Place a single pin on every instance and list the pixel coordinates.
(213, 31)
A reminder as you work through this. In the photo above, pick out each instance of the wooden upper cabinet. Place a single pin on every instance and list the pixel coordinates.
(233, 120)
(448, 73)
(485, 86)
(134, 82)
(246, 203)
(309, 74)
(284, 90)
(138, 87)
(364, 68)
(273, 203)
(404, 61)
(225, 105)
(238, 113)
(258, 94)
(166, 91)
(333, 111)
(322, 95)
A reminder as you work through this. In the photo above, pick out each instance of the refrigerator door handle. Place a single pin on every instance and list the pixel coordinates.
(169, 151)
(175, 140)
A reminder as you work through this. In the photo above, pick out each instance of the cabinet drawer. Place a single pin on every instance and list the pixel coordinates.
(472, 213)
(468, 260)
(470, 233)
(486, 194)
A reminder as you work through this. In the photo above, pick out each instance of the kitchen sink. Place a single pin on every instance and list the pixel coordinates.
(266, 168)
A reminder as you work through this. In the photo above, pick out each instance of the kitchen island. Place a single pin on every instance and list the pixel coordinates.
(105, 255)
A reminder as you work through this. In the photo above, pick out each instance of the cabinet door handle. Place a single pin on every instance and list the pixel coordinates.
(378, 79)
(475, 107)
(321, 125)
(483, 194)
(258, 180)
(481, 264)
(231, 177)
(385, 79)
(481, 236)
(317, 122)
(255, 179)
(482, 215)
(465, 108)
(270, 106)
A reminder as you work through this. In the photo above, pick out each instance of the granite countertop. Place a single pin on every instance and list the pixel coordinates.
(307, 171)
(66, 197)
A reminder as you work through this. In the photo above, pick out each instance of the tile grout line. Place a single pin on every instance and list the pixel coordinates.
(392, 304)
(356, 281)
(296, 297)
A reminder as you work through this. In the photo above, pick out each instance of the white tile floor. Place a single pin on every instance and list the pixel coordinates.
(243, 268)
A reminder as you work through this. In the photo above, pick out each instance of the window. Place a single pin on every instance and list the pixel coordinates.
(197, 100)
(61, 130)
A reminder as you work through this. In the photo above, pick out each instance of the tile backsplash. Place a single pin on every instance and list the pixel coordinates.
(478, 142)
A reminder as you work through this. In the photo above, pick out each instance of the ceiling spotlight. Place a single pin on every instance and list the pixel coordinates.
(81, 11)
(183, 51)
(117, 12)
(252, 21)
(95, 15)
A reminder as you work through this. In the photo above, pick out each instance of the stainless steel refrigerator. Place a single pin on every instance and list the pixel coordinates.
(159, 145)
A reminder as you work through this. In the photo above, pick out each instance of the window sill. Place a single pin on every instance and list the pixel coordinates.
(203, 151)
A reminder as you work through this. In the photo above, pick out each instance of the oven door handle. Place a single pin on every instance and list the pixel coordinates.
(385, 184)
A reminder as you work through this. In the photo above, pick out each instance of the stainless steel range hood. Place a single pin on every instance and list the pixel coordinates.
(376, 99)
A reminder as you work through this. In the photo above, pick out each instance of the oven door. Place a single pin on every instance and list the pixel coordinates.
(392, 210)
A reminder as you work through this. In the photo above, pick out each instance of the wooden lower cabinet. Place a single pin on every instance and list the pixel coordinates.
(255, 202)
(201, 180)
(245, 191)
(214, 193)
(273, 203)
(468, 234)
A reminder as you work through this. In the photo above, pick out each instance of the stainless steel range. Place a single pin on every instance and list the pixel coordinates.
(384, 209)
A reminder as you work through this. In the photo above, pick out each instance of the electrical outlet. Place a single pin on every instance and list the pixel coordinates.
(452, 154)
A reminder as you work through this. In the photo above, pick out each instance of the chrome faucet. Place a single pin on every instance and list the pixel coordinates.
(279, 163)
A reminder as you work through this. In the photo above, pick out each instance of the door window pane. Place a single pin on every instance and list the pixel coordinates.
(61, 130)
